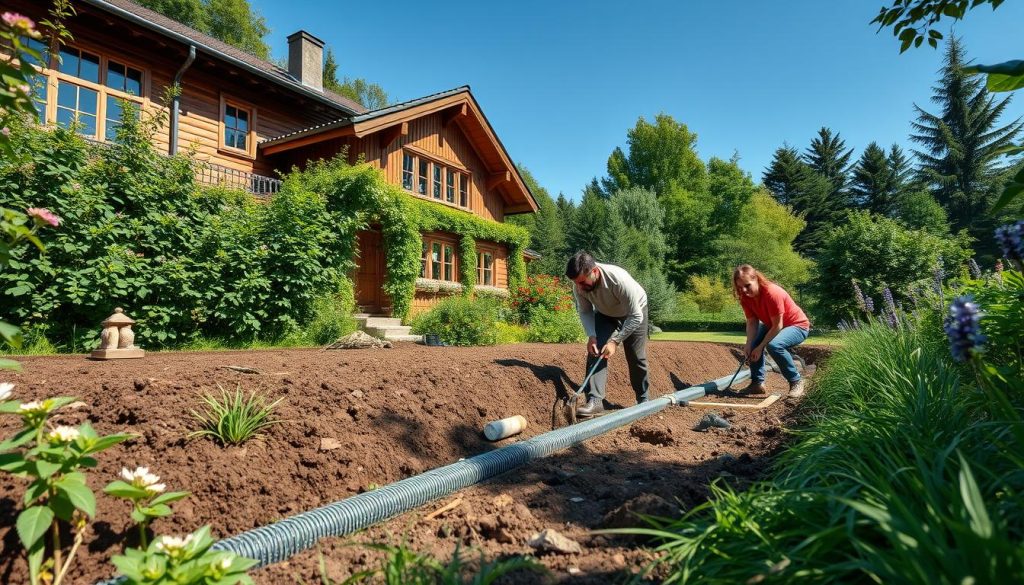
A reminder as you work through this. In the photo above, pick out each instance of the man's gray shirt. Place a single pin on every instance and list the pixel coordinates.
(616, 295)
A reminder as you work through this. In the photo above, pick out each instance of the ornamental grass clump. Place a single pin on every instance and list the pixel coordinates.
(234, 419)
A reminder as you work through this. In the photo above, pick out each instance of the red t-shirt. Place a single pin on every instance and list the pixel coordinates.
(772, 301)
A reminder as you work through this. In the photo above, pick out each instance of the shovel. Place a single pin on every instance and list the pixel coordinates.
(742, 363)
(569, 404)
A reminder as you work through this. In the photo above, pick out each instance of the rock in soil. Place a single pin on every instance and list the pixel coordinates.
(359, 340)
(549, 540)
(712, 420)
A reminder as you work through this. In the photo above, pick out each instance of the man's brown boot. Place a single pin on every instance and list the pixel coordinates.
(593, 407)
(754, 388)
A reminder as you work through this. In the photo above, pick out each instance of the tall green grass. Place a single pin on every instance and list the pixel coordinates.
(904, 472)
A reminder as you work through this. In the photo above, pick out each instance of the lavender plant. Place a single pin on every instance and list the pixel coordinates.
(963, 329)
(1010, 238)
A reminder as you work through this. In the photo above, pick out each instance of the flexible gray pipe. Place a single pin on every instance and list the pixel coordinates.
(276, 542)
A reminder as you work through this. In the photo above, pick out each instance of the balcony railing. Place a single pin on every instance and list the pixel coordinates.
(208, 173)
(213, 174)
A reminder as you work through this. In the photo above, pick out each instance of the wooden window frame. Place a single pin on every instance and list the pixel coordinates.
(481, 271)
(427, 266)
(52, 79)
(462, 177)
(250, 140)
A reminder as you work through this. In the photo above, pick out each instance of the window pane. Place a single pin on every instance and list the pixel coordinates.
(407, 170)
(421, 186)
(68, 61)
(90, 67)
(450, 187)
(133, 84)
(229, 137)
(463, 191)
(88, 100)
(448, 253)
(243, 120)
(115, 76)
(88, 123)
(229, 117)
(437, 181)
(39, 47)
(423, 262)
(67, 96)
(435, 260)
(240, 138)
(65, 117)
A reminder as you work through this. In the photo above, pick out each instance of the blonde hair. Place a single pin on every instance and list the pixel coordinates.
(746, 271)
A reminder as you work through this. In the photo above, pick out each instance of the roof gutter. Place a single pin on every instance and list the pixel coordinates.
(172, 147)
(296, 87)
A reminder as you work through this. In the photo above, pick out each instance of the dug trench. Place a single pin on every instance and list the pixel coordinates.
(357, 419)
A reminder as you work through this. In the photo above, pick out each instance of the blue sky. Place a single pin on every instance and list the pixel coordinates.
(562, 81)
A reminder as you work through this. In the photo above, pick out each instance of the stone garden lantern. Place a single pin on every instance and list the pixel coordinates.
(117, 340)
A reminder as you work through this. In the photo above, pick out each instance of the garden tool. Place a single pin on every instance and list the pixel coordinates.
(568, 405)
(742, 363)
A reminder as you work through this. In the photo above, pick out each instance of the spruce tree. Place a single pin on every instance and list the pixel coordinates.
(829, 157)
(958, 159)
(782, 175)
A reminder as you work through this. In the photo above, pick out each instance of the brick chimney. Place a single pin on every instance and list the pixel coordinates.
(306, 59)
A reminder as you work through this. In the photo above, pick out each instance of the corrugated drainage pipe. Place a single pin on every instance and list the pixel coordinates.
(276, 542)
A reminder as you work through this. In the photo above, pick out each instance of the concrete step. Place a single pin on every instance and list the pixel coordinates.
(413, 338)
(387, 332)
(364, 320)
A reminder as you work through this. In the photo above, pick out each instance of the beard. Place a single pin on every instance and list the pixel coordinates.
(588, 287)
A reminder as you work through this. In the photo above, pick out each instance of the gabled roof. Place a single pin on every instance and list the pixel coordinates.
(218, 49)
(460, 104)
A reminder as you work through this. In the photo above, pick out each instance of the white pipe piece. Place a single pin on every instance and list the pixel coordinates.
(504, 428)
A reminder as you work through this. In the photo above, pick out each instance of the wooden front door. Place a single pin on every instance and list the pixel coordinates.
(369, 278)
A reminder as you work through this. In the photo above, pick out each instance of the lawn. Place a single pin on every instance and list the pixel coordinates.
(830, 339)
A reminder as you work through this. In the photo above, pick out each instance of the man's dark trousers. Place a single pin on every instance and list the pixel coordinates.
(635, 347)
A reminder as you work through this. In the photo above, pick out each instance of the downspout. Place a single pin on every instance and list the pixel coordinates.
(172, 147)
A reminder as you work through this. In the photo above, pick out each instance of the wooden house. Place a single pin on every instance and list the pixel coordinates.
(249, 119)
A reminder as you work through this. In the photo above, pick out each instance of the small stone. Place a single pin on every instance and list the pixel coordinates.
(503, 500)
(574, 570)
(577, 499)
(549, 540)
(357, 394)
(712, 420)
(140, 384)
(76, 405)
(329, 444)
(619, 560)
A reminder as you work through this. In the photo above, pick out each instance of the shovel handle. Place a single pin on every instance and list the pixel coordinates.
(583, 384)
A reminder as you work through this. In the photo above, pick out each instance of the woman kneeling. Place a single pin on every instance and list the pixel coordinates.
(774, 323)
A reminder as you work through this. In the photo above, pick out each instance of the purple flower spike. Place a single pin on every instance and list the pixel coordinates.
(858, 296)
(938, 276)
(890, 304)
(869, 305)
(974, 268)
(1011, 239)
(963, 328)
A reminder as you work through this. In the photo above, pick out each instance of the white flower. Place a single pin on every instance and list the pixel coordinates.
(34, 406)
(172, 544)
(6, 388)
(225, 563)
(142, 478)
(63, 434)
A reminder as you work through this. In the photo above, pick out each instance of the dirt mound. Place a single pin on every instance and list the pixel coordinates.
(364, 418)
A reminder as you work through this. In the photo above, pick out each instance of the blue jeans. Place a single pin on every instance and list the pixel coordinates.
(778, 347)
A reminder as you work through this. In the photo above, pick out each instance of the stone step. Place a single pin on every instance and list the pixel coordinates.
(413, 338)
(387, 332)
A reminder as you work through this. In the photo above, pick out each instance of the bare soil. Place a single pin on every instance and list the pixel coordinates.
(356, 419)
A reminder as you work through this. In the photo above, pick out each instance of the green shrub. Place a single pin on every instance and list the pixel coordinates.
(461, 321)
(907, 472)
(555, 327)
(540, 292)
(710, 294)
(234, 419)
(332, 316)
(510, 333)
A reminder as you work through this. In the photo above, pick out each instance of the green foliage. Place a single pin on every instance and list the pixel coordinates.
(913, 21)
(183, 561)
(370, 95)
(510, 333)
(710, 294)
(403, 566)
(54, 461)
(546, 229)
(919, 210)
(905, 472)
(540, 292)
(548, 326)
(877, 252)
(962, 147)
(331, 316)
(234, 419)
(764, 238)
(878, 179)
(460, 321)
(234, 22)
(149, 501)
